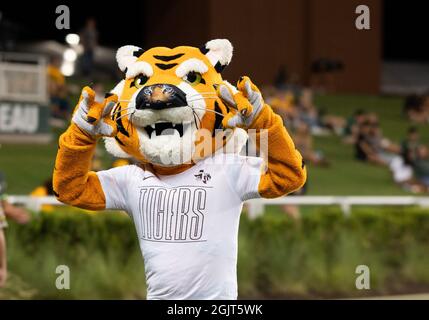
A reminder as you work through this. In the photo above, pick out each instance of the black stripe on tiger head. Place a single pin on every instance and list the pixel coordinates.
(218, 119)
(119, 123)
(138, 53)
(219, 67)
(204, 50)
(119, 141)
(164, 66)
(168, 58)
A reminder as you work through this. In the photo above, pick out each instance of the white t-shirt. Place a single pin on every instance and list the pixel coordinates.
(187, 223)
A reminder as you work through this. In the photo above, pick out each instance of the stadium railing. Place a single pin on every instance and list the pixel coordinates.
(256, 207)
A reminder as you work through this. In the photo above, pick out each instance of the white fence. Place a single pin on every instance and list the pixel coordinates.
(256, 207)
(23, 77)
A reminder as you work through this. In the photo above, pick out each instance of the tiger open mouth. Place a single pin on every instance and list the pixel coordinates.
(166, 129)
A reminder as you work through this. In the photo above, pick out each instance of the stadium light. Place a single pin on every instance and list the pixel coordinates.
(72, 39)
(69, 55)
(67, 68)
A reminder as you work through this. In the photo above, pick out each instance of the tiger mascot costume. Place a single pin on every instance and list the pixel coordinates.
(174, 114)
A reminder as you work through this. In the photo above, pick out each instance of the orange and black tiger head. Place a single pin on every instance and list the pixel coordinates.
(168, 112)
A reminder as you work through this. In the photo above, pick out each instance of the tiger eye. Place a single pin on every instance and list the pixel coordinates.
(193, 78)
(140, 80)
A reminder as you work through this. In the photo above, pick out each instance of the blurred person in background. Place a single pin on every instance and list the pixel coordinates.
(57, 89)
(89, 41)
(364, 150)
(18, 214)
(409, 146)
(384, 148)
(44, 190)
(416, 108)
(351, 129)
(421, 165)
(304, 143)
(319, 122)
(308, 112)
(283, 103)
(402, 168)
(371, 146)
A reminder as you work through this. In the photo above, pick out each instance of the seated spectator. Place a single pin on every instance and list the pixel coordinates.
(403, 175)
(304, 143)
(44, 190)
(364, 149)
(283, 104)
(416, 108)
(319, 122)
(372, 146)
(351, 129)
(421, 165)
(308, 113)
(409, 146)
(57, 90)
(386, 150)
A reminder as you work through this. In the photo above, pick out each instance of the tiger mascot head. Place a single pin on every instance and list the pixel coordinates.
(168, 113)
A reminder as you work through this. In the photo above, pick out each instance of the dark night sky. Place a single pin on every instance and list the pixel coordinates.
(116, 26)
(403, 24)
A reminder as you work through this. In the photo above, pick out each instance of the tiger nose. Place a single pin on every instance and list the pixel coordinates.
(158, 92)
(160, 96)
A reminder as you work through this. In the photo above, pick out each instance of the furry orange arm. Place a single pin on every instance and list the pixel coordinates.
(285, 170)
(73, 182)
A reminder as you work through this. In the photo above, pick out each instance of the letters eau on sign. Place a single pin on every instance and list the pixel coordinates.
(18, 118)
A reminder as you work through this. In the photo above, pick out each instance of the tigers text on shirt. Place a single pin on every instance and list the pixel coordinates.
(187, 223)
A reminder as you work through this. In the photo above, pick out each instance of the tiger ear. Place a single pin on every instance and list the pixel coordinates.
(127, 55)
(219, 52)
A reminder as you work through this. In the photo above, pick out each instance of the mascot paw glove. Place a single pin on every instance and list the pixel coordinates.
(244, 104)
(93, 117)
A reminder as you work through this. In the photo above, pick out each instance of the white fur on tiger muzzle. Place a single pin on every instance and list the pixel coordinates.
(167, 136)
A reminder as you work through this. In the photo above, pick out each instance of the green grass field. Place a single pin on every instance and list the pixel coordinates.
(27, 166)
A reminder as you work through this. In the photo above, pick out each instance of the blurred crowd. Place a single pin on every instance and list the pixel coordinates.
(407, 160)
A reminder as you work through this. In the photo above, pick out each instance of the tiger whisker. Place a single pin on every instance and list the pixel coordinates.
(208, 110)
(201, 96)
(195, 118)
(205, 92)
(129, 122)
(124, 115)
(118, 111)
(193, 100)
(197, 99)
